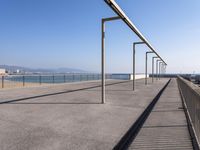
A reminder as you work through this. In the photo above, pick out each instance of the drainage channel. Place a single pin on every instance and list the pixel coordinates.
(131, 134)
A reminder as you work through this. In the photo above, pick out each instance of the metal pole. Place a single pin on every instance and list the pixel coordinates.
(53, 79)
(162, 72)
(64, 78)
(146, 69)
(40, 79)
(103, 61)
(23, 81)
(133, 66)
(163, 68)
(157, 69)
(2, 79)
(134, 44)
(116, 8)
(160, 69)
(152, 74)
(146, 60)
(153, 68)
(73, 77)
(103, 55)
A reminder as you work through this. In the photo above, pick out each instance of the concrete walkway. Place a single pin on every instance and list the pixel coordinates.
(166, 127)
(71, 120)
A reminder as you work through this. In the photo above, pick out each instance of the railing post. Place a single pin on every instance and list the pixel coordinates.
(64, 78)
(40, 79)
(146, 65)
(134, 62)
(23, 80)
(53, 79)
(133, 66)
(146, 59)
(160, 69)
(73, 77)
(103, 61)
(153, 69)
(157, 69)
(2, 82)
(103, 55)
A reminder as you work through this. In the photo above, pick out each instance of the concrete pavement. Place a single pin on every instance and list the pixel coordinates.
(166, 128)
(72, 120)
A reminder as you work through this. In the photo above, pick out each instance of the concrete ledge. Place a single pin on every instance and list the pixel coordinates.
(191, 100)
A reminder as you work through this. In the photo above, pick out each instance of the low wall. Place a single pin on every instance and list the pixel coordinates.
(191, 98)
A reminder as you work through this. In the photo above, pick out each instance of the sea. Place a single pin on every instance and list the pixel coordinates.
(62, 78)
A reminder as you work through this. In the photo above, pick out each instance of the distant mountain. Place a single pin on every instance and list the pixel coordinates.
(41, 70)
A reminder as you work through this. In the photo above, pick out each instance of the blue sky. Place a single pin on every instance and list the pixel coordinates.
(66, 33)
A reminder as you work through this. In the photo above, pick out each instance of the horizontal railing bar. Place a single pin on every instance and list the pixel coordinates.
(121, 14)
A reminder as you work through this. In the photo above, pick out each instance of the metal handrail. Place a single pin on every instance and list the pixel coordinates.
(115, 7)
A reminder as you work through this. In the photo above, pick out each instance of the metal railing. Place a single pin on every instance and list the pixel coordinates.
(115, 7)
(191, 97)
(12, 81)
(121, 15)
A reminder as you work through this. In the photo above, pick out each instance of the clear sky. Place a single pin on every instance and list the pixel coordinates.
(67, 33)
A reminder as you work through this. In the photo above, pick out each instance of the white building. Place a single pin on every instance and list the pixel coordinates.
(138, 76)
(2, 71)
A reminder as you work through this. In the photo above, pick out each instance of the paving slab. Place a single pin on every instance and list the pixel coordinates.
(166, 127)
(74, 120)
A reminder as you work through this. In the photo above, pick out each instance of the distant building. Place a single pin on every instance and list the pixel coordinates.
(18, 71)
(2, 71)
